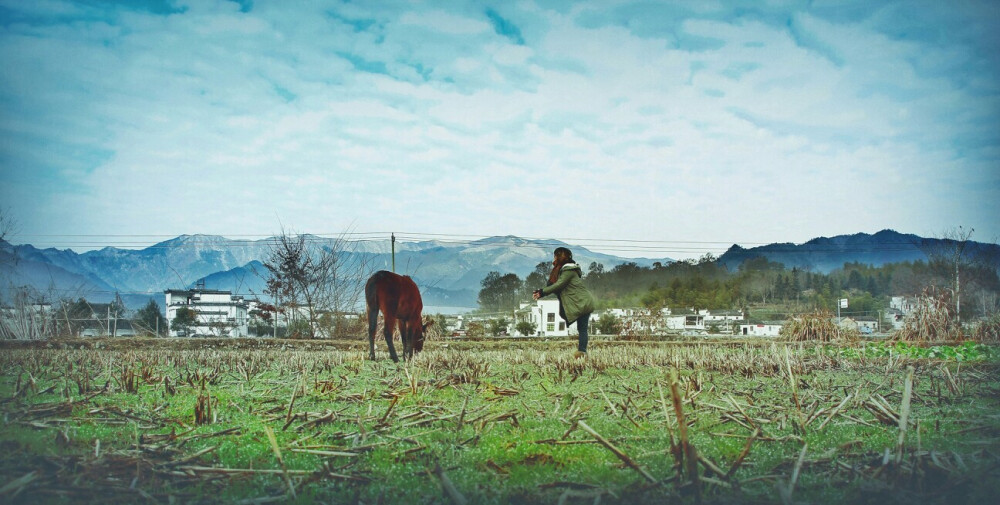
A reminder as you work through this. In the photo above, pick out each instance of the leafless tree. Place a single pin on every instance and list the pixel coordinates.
(323, 276)
(8, 225)
(27, 317)
(964, 261)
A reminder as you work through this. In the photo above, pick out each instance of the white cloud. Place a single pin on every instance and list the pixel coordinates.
(432, 122)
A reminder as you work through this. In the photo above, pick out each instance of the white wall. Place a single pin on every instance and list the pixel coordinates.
(760, 330)
(211, 307)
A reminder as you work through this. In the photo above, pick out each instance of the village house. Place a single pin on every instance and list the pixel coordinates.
(218, 313)
(682, 320)
(767, 329)
(906, 305)
(101, 321)
(864, 325)
(544, 315)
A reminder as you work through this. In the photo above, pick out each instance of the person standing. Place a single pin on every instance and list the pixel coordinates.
(575, 301)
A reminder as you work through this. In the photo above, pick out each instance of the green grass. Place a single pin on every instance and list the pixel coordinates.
(498, 420)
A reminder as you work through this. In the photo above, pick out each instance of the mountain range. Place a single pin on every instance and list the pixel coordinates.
(825, 254)
(448, 272)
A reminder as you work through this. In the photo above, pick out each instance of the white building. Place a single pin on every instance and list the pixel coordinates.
(544, 315)
(761, 330)
(218, 313)
(722, 317)
(904, 304)
(684, 320)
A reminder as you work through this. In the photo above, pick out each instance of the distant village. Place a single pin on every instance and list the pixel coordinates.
(218, 313)
(222, 314)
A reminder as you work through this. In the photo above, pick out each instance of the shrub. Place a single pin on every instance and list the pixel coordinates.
(608, 324)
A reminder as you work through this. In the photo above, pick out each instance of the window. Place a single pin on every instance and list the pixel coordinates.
(562, 326)
(550, 327)
(552, 317)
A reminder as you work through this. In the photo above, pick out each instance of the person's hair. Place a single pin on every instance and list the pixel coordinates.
(562, 256)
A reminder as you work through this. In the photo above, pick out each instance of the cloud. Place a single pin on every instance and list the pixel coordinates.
(504, 27)
(624, 121)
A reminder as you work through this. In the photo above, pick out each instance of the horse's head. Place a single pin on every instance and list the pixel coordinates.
(418, 336)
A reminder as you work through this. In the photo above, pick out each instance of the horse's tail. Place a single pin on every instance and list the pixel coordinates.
(371, 293)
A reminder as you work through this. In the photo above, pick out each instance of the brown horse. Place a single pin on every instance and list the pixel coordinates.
(398, 298)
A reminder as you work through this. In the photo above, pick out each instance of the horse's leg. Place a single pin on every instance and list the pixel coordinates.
(390, 324)
(372, 325)
(404, 335)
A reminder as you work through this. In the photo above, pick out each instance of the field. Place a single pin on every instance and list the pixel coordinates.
(265, 421)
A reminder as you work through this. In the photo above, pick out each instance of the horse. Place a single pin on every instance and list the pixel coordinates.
(399, 300)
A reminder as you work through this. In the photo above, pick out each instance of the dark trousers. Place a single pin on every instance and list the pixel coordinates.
(582, 324)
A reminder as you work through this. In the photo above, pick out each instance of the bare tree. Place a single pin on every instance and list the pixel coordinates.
(960, 237)
(28, 317)
(323, 276)
(8, 225)
(953, 259)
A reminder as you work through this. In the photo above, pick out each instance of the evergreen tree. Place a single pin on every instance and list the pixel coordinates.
(184, 320)
(149, 319)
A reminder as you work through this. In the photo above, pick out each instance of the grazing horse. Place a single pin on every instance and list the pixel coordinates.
(398, 298)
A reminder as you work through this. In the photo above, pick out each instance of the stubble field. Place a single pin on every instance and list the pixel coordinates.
(264, 421)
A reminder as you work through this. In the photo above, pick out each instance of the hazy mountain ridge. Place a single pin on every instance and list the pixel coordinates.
(825, 254)
(448, 272)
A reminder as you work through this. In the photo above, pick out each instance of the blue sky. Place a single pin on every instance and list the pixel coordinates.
(689, 125)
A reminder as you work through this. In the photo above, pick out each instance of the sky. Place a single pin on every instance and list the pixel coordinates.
(638, 128)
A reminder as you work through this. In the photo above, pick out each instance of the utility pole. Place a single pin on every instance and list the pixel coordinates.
(960, 241)
(393, 235)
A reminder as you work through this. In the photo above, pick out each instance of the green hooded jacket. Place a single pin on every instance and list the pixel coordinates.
(574, 299)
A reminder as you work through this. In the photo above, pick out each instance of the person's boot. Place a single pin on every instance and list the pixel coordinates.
(580, 355)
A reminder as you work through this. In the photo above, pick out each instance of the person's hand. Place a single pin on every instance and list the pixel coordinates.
(536, 294)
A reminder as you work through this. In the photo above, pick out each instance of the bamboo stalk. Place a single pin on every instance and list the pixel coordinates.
(389, 410)
(743, 454)
(234, 471)
(192, 457)
(690, 463)
(666, 416)
(325, 453)
(904, 413)
(461, 416)
(15, 486)
(740, 409)
(281, 461)
(617, 452)
(834, 412)
(795, 393)
(795, 473)
(288, 416)
(613, 409)
(711, 466)
(449, 487)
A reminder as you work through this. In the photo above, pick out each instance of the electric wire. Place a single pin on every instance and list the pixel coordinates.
(408, 239)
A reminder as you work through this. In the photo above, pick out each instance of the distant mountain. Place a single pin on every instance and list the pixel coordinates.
(824, 254)
(449, 273)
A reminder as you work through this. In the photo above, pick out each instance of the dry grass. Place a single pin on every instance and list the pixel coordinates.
(492, 422)
(817, 327)
(988, 331)
(932, 321)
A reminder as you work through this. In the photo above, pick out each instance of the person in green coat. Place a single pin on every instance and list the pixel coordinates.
(575, 302)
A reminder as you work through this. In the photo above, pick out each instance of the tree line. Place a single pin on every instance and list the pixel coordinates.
(758, 282)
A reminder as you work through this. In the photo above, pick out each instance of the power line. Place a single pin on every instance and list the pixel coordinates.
(652, 247)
